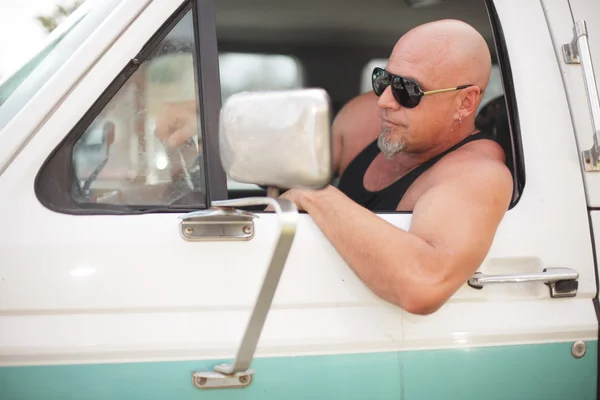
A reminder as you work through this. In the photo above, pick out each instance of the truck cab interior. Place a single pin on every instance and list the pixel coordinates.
(262, 45)
(335, 44)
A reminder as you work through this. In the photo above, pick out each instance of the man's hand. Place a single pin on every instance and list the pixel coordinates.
(296, 196)
(177, 123)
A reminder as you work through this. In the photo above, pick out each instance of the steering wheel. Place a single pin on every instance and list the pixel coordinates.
(186, 178)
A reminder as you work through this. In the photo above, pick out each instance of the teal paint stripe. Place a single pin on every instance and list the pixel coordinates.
(321, 377)
(528, 372)
(543, 371)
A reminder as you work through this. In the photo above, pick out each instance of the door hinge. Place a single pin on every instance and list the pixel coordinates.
(577, 51)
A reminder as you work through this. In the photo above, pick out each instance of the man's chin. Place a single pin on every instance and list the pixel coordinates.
(390, 150)
(390, 146)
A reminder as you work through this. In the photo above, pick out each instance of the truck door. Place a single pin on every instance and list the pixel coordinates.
(106, 292)
(510, 340)
(575, 28)
(113, 294)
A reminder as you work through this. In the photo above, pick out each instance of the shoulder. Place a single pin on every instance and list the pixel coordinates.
(477, 169)
(475, 173)
(468, 194)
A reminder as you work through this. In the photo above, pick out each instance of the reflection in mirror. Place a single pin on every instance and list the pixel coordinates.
(277, 138)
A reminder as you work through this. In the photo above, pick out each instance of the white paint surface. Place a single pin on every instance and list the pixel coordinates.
(98, 288)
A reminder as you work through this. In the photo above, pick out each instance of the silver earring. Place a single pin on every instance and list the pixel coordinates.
(460, 119)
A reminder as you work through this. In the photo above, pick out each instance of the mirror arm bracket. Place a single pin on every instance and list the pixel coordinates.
(238, 374)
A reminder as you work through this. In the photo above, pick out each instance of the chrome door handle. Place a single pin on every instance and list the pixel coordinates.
(578, 52)
(562, 281)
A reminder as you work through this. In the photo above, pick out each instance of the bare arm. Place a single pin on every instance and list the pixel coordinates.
(452, 229)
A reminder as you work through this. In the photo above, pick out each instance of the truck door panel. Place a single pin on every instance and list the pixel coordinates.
(497, 334)
(108, 306)
(121, 306)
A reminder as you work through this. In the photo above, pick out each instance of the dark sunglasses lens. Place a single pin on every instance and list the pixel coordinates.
(380, 81)
(406, 92)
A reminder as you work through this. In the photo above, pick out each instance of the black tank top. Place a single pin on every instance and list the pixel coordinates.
(387, 199)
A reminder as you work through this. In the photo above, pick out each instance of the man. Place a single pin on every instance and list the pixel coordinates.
(413, 151)
(427, 158)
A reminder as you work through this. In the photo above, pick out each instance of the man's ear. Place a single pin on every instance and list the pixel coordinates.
(470, 100)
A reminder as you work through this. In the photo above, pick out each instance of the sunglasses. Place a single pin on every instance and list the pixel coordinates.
(405, 91)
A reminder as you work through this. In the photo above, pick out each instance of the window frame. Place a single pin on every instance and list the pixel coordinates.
(510, 98)
(517, 171)
(56, 172)
(209, 85)
(53, 183)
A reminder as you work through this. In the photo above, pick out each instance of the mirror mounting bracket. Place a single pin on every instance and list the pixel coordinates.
(237, 374)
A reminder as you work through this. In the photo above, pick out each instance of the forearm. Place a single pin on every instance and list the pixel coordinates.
(395, 264)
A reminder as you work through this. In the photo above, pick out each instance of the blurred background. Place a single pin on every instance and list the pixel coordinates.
(24, 25)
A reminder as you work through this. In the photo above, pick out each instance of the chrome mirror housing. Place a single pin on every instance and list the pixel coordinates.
(277, 139)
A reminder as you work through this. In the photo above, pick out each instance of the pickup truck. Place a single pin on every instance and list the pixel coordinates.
(130, 271)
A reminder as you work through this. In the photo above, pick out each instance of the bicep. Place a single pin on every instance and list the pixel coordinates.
(459, 219)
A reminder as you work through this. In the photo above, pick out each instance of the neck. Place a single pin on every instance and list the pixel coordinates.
(408, 160)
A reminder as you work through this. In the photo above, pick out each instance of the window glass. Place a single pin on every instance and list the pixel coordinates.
(250, 72)
(365, 81)
(120, 160)
(494, 88)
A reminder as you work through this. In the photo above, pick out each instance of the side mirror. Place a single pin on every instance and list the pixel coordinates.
(277, 139)
(280, 140)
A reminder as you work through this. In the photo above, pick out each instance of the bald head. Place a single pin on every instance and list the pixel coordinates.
(438, 55)
(447, 53)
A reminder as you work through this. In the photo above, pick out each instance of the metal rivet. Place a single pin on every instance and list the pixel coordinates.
(243, 379)
(189, 231)
(578, 349)
(247, 229)
(201, 381)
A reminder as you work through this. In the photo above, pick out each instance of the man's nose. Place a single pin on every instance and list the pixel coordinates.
(387, 101)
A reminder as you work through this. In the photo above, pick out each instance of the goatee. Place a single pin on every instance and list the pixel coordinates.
(387, 145)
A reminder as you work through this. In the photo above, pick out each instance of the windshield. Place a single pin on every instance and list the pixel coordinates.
(19, 87)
